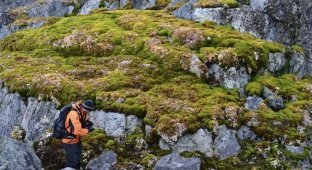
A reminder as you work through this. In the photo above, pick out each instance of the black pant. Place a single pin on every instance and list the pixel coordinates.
(73, 155)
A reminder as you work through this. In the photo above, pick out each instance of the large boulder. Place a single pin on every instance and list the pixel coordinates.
(226, 144)
(105, 161)
(17, 155)
(175, 162)
(200, 141)
(114, 124)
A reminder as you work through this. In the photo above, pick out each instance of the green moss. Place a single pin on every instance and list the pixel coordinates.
(217, 3)
(297, 49)
(144, 71)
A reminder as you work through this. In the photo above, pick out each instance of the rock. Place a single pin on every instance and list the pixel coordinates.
(132, 123)
(200, 141)
(89, 6)
(50, 8)
(148, 129)
(38, 117)
(175, 162)
(230, 78)
(185, 11)
(42, 143)
(18, 133)
(194, 65)
(259, 5)
(226, 144)
(307, 120)
(276, 103)
(277, 61)
(105, 161)
(267, 93)
(295, 149)
(12, 109)
(17, 155)
(112, 123)
(296, 63)
(253, 103)
(143, 4)
(245, 133)
(305, 165)
(210, 14)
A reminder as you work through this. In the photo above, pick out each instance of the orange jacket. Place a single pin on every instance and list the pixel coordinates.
(74, 125)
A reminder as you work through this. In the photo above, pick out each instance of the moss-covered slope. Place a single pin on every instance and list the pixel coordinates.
(135, 62)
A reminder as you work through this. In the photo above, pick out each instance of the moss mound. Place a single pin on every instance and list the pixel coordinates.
(135, 62)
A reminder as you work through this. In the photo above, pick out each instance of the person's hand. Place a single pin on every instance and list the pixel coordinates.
(89, 123)
(90, 129)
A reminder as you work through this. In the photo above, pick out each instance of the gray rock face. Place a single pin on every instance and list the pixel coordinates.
(226, 144)
(277, 61)
(186, 10)
(17, 155)
(38, 117)
(283, 21)
(212, 14)
(12, 109)
(175, 162)
(35, 117)
(114, 124)
(105, 161)
(200, 141)
(9, 29)
(296, 63)
(89, 6)
(231, 78)
(245, 133)
(143, 4)
(132, 123)
(50, 8)
(295, 149)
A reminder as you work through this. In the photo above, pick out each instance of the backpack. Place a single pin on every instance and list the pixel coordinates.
(59, 130)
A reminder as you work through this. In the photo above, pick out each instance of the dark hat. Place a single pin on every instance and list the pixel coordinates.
(88, 105)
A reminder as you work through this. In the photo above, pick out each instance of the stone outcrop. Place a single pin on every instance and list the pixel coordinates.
(17, 155)
(175, 162)
(200, 141)
(10, 10)
(105, 161)
(286, 22)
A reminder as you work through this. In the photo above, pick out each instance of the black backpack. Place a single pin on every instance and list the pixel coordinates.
(59, 130)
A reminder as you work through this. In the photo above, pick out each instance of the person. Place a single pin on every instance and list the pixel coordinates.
(77, 125)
